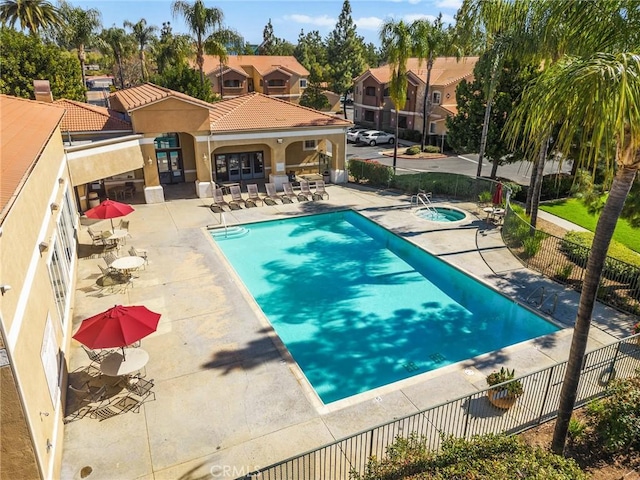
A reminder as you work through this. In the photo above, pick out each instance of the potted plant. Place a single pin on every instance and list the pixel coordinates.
(505, 394)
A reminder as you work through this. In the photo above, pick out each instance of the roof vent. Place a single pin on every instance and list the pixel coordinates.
(42, 89)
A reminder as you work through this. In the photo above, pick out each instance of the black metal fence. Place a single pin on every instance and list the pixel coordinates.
(566, 262)
(464, 417)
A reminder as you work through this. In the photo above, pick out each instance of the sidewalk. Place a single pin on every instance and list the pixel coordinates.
(560, 222)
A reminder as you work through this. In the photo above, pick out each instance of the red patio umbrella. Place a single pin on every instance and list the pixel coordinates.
(109, 209)
(117, 327)
(497, 195)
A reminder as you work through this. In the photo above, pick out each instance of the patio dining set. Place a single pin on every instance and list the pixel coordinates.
(111, 340)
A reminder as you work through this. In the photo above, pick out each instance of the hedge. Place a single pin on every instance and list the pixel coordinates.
(373, 172)
(622, 263)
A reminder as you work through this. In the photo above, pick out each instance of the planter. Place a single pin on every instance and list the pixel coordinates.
(502, 398)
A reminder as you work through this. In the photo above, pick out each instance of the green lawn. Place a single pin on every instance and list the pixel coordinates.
(574, 211)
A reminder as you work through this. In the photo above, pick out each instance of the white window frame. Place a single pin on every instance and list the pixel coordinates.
(306, 145)
(437, 94)
(433, 128)
(51, 360)
(303, 83)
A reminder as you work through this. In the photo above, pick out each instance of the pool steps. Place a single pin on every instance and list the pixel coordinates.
(229, 232)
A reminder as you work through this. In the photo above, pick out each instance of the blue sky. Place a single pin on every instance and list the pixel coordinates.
(287, 16)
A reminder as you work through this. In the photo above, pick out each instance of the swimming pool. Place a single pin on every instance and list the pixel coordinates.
(359, 307)
(441, 214)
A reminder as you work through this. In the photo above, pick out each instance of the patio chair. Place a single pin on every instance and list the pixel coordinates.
(236, 197)
(134, 252)
(109, 258)
(288, 194)
(254, 197)
(218, 201)
(88, 393)
(271, 195)
(113, 278)
(95, 357)
(320, 191)
(97, 239)
(129, 189)
(305, 191)
(140, 387)
(114, 408)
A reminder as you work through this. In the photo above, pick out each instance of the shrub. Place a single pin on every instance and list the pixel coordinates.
(504, 375)
(431, 149)
(563, 273)
(556, 185)
(622, 263)
(576, 429)
(413, 150)
(488, 456)
(616, 418)
(375, 173)
(485, 197)
(532, 244)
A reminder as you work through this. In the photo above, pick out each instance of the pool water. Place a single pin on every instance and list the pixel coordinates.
(440, 214)
(359, 307)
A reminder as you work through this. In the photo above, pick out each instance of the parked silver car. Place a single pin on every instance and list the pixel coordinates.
(375, 137)
(352, 133)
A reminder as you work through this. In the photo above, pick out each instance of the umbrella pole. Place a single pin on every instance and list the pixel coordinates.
(112, 229)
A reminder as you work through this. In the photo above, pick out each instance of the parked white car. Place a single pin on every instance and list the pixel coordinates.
(352, 133)
(375, 137)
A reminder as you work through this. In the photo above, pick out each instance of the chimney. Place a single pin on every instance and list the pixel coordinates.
(42, 90)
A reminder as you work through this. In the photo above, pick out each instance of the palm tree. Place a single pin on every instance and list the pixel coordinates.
(430, 42)
(33, 15)
(200, 21)
(143, 35)
(113, 41)
(397, 38)
(218, 44)
(79, 30)
(597, 99)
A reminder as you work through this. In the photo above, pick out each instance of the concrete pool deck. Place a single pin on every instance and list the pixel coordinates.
(227, 400)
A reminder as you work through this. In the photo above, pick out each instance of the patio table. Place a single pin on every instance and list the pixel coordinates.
(127, 264)
(124, 362)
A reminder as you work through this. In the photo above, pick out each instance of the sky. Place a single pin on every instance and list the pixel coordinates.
(288, 17)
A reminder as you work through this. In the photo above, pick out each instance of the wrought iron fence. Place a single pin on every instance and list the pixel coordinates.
(464, 417)
(566, 263)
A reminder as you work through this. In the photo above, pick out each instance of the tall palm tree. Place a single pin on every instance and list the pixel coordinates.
(595, 99)
(504, 24)
(218, 44)
(143, 36)
(201, 21)
(431, 40)
(397, 38)
(113, 41)
(79, 30)
(33, 15)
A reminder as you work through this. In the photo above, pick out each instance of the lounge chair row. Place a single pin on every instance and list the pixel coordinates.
(270, 198)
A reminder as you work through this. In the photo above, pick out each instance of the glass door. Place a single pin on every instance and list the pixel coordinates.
(170, 166)
(234, 166)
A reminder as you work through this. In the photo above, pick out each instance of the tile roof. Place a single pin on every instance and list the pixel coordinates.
(262, 63)
(82, 117)
(256, 111)
(445, 71)
(25, 129)
(146, 94)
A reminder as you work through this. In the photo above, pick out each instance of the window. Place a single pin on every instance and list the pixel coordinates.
(310, 144)
(261, 83)
(368, 116)
(402, 121)
(276, 82)
(232, 84)
(167, 140)
(63, 248)
(432, 128)
(386, 92)
(355, 113)
(370, 91)
(51, 361)
(437, 96)
(357, 90)
(303, 83)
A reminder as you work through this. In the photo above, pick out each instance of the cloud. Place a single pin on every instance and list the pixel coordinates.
(320, 21)
(452, 4)
(369, 23)
(412, 17)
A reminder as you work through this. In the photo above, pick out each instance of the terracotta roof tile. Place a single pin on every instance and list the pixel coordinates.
(82, 117)
(146, 94)
(255, 111)
(25, 129)
(262, 63)
(445, 71)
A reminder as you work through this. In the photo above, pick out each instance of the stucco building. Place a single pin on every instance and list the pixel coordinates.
(374, 108)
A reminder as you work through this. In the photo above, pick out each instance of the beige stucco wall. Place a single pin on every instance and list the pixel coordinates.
(94, 163)
(29, 222)
(170, 115)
